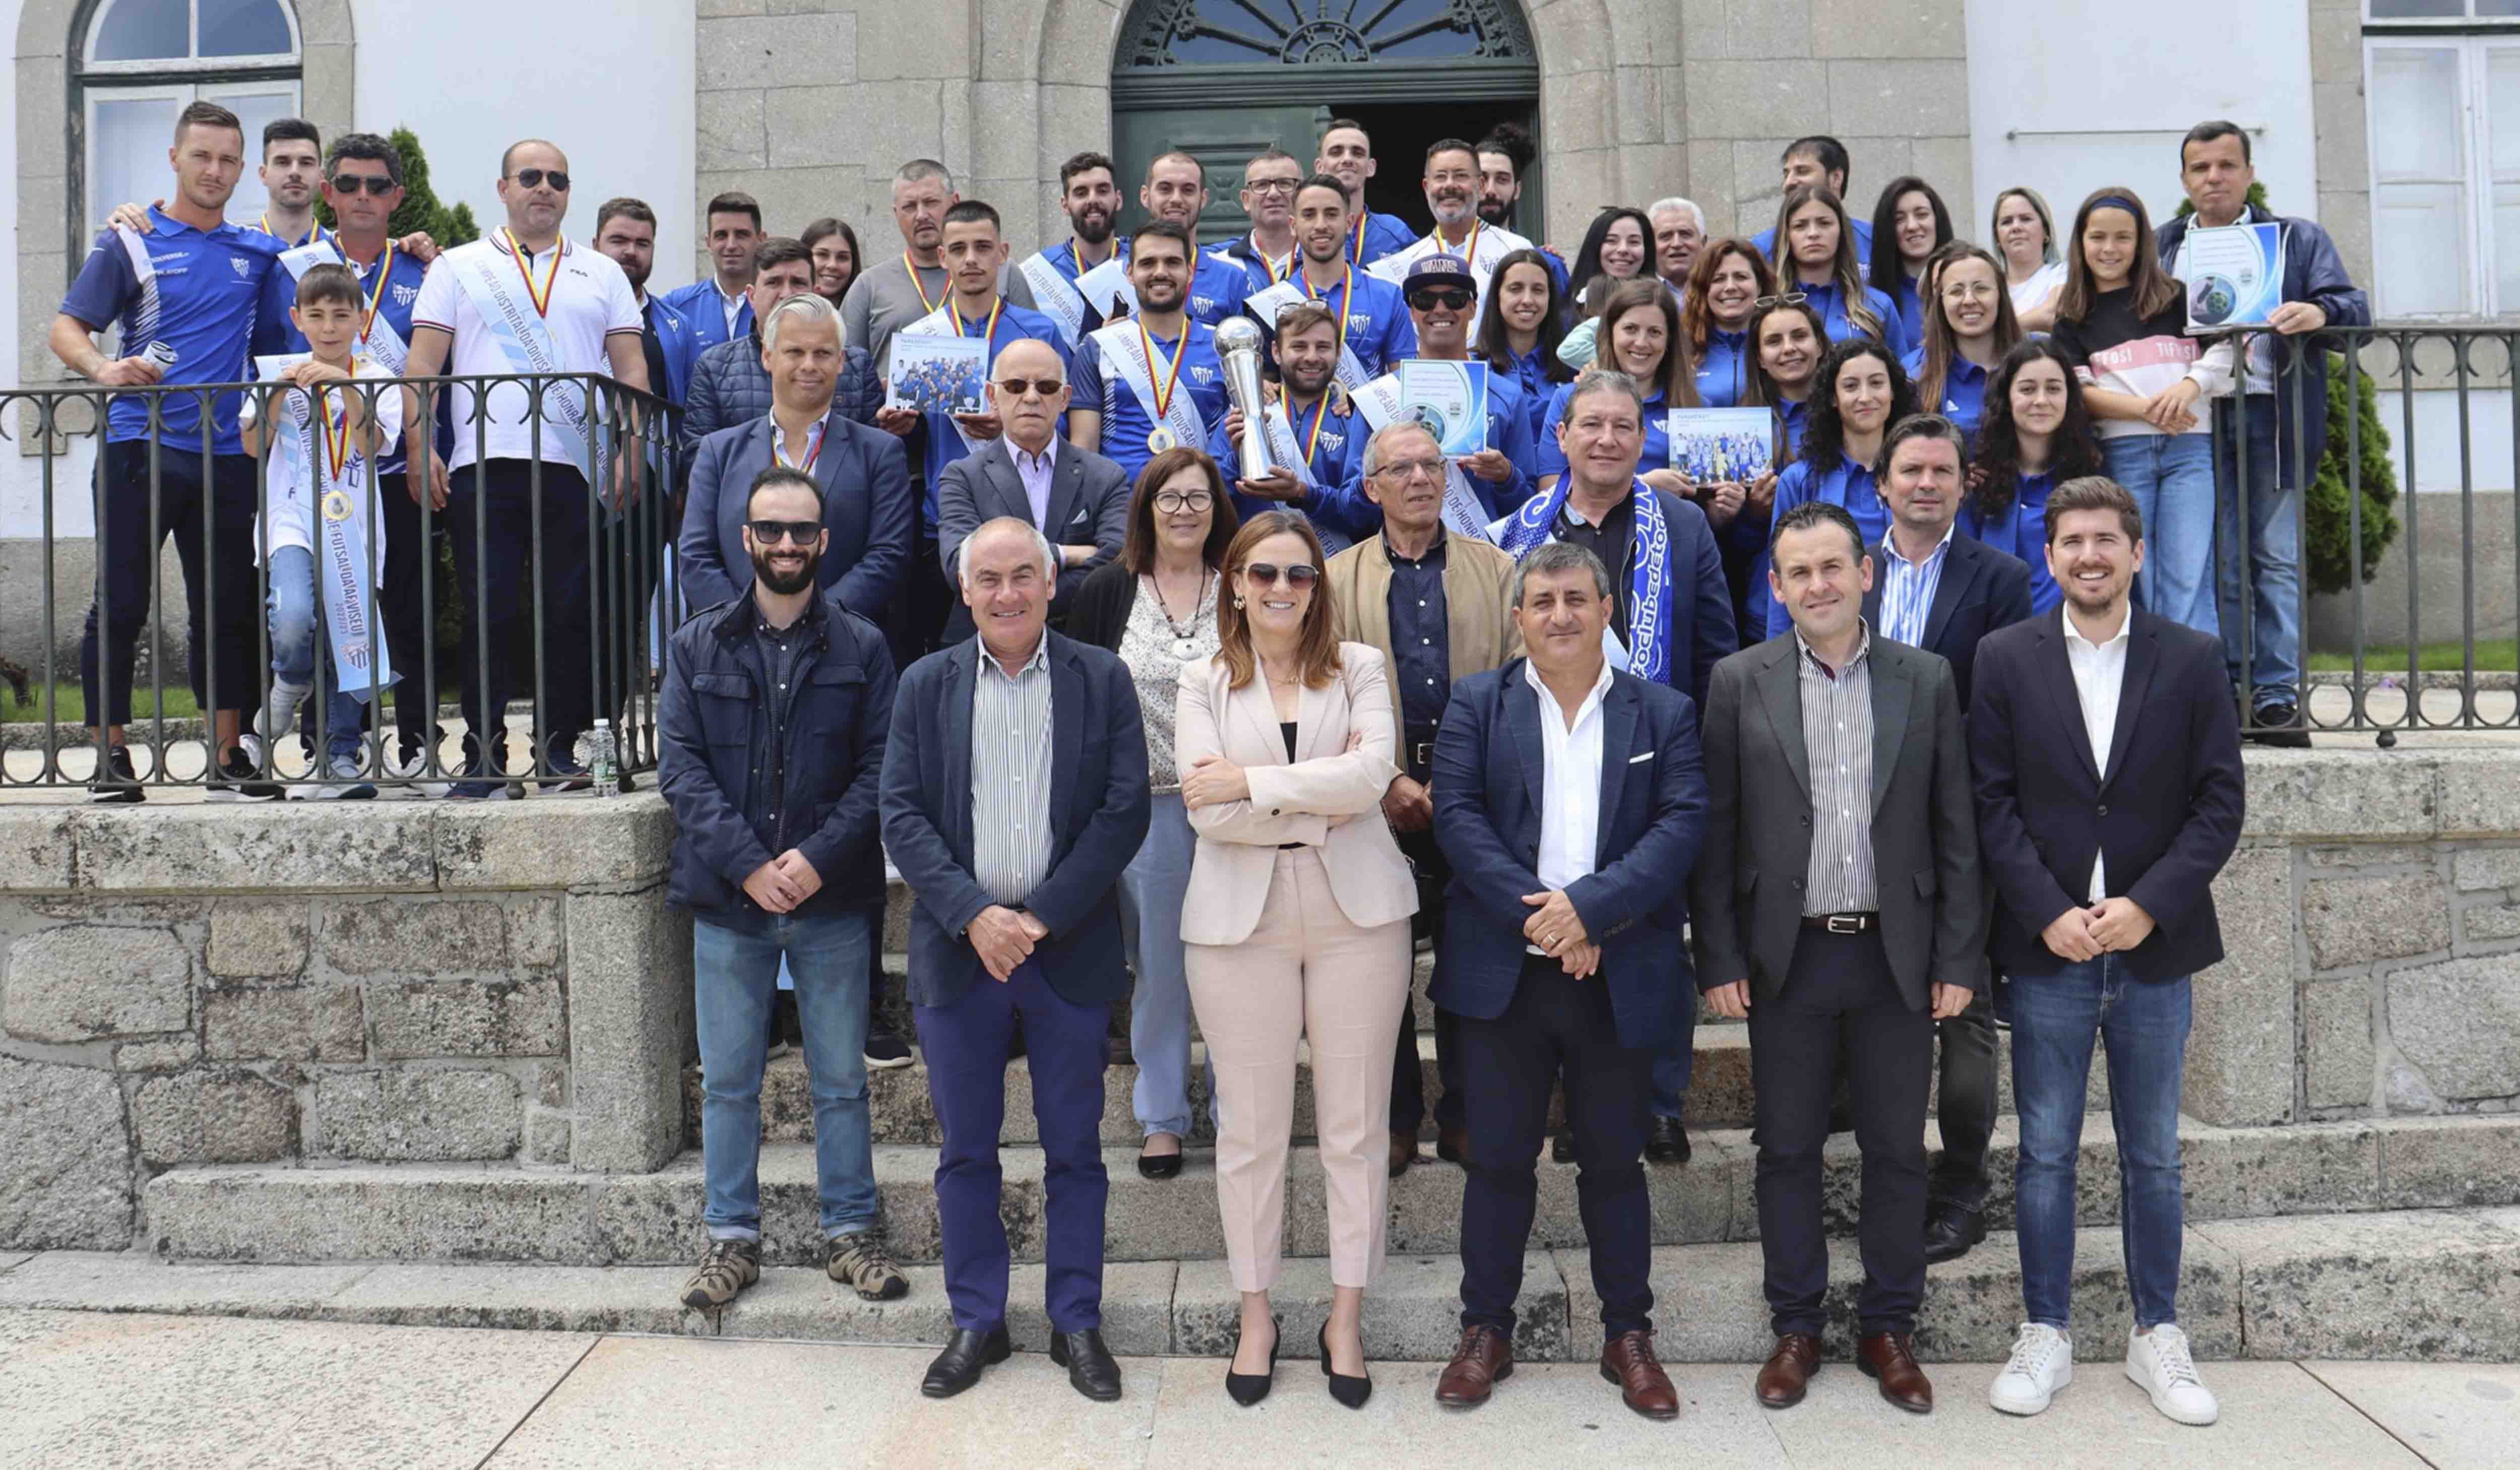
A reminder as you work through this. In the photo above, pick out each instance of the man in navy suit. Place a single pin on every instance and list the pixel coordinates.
(867, 505)
(1570, 801)
(1015, 794)
(2106, 755)
(1941, 592)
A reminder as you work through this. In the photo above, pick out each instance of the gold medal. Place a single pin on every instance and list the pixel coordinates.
(1161, 437)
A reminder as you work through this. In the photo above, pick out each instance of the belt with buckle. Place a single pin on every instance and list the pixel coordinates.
(1421, 755)
(1842, 923)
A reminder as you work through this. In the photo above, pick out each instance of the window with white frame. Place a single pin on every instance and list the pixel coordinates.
(141, 61)
(2442, 96)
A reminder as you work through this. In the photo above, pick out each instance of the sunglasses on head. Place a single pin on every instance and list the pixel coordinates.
(377, 184)
(534, 178)
(1301, 575)
(1019, 386)
(772, 532)
(1428, 301)
(1789, 298)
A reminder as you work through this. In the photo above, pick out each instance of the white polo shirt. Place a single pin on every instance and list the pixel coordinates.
(589, 300)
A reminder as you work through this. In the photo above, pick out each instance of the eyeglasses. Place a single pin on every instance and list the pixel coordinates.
(349, 184)
(1298, 576)
(1401, 470)
(1269, 185)
(1968, 291)
(535, 178)
(1019, 386)
(772, 532)
(1171, 502)
(1789, 298)
(1428, 301)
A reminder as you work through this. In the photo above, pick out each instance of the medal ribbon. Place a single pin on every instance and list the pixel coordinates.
(779, 448)
(1347, 295)
(1164, 385)
(1470, 247)
(376, 297)
(1321, 411)
(1356, 251)
(991, 333)
(337, 446)
(551, 278)
(920, 285)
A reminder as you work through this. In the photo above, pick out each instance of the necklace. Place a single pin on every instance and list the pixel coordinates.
(1184, 645)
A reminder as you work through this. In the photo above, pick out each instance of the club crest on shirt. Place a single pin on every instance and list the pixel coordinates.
(1202, 304)
(243, 270)
(404, 296)
(1359, 321)
(1201, 374)
(1334, 442)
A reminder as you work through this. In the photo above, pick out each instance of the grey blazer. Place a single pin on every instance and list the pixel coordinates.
(1088, 503)
(1746, 893)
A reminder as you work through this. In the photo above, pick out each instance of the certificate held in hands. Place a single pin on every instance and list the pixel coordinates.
(2234, 275)
(938, 375)
(1449, 398)
(1722, 445)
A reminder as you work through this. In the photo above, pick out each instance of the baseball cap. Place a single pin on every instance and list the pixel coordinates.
(1439, 269)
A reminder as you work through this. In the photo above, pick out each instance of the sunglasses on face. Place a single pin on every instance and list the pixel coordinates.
(1299, 576)
(535, 178)
(1019, 386)
(349, 184)
(1789, 298)
(772, 532)
(1428, 301)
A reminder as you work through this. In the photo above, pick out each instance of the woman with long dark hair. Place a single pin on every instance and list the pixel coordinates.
(834, 245)
(2037, 434)
(2124, 322)
(1724, 288)
(1908, 225)
(1969, 326)
(1816, 256)
(1519, 331)
(1862, 391)
(1617, 248)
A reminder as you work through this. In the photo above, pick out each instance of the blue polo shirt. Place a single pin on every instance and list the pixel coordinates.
(1382, 234)
(704, 313)
(1910, 308)
(1848, 485)
(1530, 373)
(1723, 368)
(1963, 391)
(1552, 455)
(1125, 423)
(944, 444)
(2021, 531)
(274, 334)
(1377, 328)
(208, 288)
(1766, 241)
(1335, 505)
(1830, 303)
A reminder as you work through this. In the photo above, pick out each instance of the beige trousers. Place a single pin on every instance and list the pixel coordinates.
(1305, 973)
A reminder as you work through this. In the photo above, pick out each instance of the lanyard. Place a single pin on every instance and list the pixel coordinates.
(1164, 385)
(920, 285)
(551, 278)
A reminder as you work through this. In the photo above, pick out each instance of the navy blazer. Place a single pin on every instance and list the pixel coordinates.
(2044, 810)
(1098, 812)
(867, 506)
(1089, 504)
(1981, 589)
(1490, 780)
(2313, 272)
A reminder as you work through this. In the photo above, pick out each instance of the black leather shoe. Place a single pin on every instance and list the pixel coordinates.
(1161, 1166)
(966, 1352)
(1952, 1229)
(1351, 1391)
(1561, 1148)
(1668, 1143)
(2278, 723)
(1247, 1389)
(1089, 1368)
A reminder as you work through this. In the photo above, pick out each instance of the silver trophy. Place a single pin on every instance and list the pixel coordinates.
(1237, 346)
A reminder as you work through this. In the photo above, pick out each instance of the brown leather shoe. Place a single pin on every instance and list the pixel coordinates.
(1452, 1145)
(1886, 1355)
(1786, 1377)
(1629, 1362)
(1404, 1152)
(1484, 1359)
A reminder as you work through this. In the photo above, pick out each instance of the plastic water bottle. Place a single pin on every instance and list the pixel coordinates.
(604, 759)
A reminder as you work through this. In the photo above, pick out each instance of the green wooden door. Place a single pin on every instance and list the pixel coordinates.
(1222, 140)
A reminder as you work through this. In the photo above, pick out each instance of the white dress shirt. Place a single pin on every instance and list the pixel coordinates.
(1570, 790)
(2100, 677)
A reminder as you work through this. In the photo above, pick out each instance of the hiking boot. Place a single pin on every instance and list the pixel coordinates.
(860, 1259)
(729, 1266)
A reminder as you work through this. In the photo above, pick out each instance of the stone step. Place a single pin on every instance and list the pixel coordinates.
(2431, 1284)
(504, 1212)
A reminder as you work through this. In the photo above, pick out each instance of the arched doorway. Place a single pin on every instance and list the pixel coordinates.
(1222, 79)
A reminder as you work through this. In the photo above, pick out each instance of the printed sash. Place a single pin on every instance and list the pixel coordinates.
(1122, 350)
(1380, 403)
(1646, 651)
(1283, 446)
(525, 339)
(1056, 295)
(382, 343)
(340, 530)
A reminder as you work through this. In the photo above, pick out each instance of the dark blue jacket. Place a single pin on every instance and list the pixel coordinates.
(2315, 273)
(1490, 774)
(867, 506)
(1098, 814)
(729, 385)
(715, 763)
(1981, 589)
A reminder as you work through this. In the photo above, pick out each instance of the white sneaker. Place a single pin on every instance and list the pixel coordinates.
(348, 783)
(2042, 1362)
(2159, 1363)
(277, 717)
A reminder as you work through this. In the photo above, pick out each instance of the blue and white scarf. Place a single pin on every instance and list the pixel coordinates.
(1646, 651)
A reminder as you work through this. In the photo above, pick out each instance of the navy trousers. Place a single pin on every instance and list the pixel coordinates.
(967, 1043)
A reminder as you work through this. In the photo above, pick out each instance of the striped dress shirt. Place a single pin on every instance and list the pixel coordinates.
(1010, 776)
(1837, 737)
(1907, 588)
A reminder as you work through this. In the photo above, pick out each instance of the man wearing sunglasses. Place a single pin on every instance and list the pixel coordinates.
(1443, 300)
(1076, 498)
(525, 472)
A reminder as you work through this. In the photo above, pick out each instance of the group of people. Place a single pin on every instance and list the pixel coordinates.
(1135, 720)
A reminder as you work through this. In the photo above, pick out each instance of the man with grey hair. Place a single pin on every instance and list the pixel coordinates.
(1571, 800)
(1015, 794)
(1679, 232)
(895, 292)
(1436, 606)
(728, 384)
(1671, 611)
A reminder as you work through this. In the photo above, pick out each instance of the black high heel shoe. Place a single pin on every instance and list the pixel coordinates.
(1349, 1391)
(1247, 1389)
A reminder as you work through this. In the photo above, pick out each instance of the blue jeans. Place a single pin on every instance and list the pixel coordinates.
(734, 967)
(2272, 495)
(297, 636)
(1151, 890)
(2172, 478)
(2144, 1024)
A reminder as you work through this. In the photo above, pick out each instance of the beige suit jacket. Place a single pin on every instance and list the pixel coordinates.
(1329, 797)
(1479, 631)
